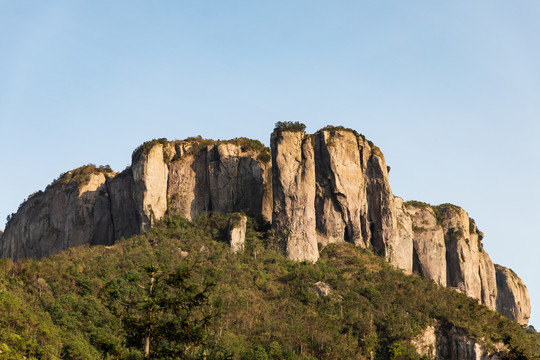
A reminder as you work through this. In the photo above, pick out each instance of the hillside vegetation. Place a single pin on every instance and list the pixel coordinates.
(260, 306)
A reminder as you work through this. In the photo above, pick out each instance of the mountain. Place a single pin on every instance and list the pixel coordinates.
(320, 189)
(350, 304)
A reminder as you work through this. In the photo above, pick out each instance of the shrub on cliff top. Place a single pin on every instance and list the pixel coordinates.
(289, 126)
(80, 175)
(145, 147)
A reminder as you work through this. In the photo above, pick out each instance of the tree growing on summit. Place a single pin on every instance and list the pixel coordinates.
(163, 313)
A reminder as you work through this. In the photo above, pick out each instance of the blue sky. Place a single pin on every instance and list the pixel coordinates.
(448, 90)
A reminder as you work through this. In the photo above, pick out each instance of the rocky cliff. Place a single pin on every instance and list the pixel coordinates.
(448, 342)
(317, 189)
(512, 297)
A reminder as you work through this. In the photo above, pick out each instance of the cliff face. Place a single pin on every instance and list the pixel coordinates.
(73, 211)
(328, 187)
(448, 250)
(512, 297)
(447, 342)
(219, 177)
(293, 183)
(92, 206)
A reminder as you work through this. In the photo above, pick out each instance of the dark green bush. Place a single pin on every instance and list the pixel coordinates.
(289, 126)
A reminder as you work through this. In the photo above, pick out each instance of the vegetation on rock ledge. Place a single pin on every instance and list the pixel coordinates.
(81, 175)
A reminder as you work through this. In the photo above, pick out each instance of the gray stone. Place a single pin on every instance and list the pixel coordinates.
(236, 231)
(512, 297)
(293, 182)
(321, 289)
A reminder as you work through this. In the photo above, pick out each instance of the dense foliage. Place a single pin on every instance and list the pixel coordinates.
(262, 306)
(289, 126)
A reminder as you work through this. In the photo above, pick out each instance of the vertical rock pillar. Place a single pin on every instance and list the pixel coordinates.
(293, 183)
(150, 175)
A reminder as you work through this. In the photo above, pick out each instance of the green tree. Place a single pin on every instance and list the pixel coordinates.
(163, 313)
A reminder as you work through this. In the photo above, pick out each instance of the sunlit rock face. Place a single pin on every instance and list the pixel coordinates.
(513, 297)
(293, 182)
(332, 186)
(236, 232)
(70, 212)
(448, 342)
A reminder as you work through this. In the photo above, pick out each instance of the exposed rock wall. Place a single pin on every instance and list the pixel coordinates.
(188, 183)
(448, 250)
(448, 342)
(462, 257)
(220, 177)
(401, 251)
(65, 215)
(429, 257)
(513, 297)
(332, 186)
(237, 232)
(293, 183)
(488, 281)
(125, 217)
(150, 175)
(381, 209)
(340, 202)
(90, 206)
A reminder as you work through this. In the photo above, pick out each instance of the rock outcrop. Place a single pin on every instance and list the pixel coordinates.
(125, 217)
(236, 232)
(217, 177)
(329, 187)
(448, 342)
(340, 202)
(74, 210)
(429, 254)
(512, 296)
(448, 250)
(93, 205)
(293, 183)
(150, 176)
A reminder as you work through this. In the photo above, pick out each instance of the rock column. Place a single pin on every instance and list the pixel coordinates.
(293, 183)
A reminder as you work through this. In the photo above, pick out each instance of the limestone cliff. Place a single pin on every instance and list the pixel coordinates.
(448, 342)
(512, 297)
(341, 204)
(293, 184)
(74, 210)
(150, 176)
(332, 186)
(93, 205)
(429, 254)
(219, 177)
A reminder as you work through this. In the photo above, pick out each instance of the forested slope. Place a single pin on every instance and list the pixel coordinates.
(260, 306)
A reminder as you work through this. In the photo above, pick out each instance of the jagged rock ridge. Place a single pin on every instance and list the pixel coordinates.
(328, 187)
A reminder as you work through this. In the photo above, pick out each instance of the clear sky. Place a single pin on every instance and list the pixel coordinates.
(449, 90)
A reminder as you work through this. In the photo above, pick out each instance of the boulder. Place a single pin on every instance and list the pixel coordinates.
(236, 232)
(321, 288)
